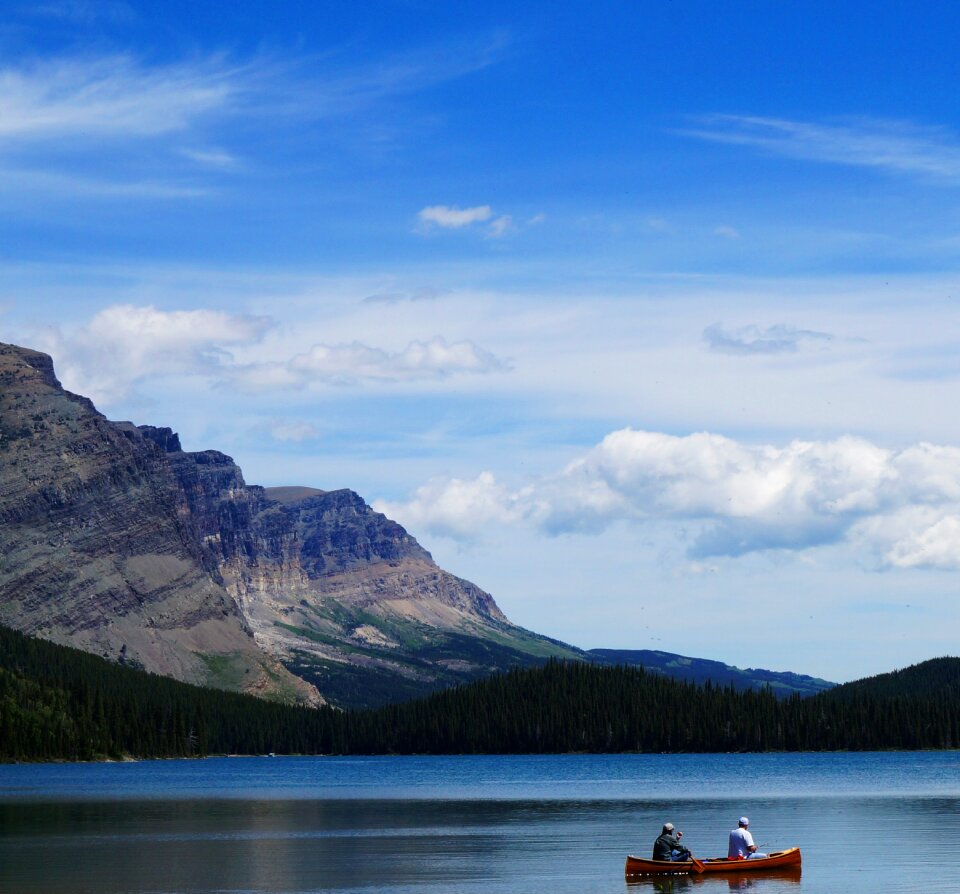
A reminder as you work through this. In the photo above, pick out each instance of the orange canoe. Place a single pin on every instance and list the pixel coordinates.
(787, 859)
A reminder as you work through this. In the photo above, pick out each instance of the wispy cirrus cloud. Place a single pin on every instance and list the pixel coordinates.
(421, 293)
(110, 97)
(726, 232)
(894, 146)
(746, 340)
(116, 103)
(82, 11)
(726, 498)
(94, 97)
(72, 186)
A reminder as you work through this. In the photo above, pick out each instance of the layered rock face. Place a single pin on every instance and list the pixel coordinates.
(344, 596)
(115, 540)
(98, 548)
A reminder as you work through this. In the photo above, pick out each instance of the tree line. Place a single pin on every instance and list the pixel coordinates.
(58, 703)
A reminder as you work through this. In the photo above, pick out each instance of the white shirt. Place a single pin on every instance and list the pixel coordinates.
(740, 843)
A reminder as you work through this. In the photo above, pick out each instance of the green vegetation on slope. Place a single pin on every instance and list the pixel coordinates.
(59, 703)
(429, 660)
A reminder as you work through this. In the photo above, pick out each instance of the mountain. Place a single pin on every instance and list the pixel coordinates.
(701, 670)
(936, 678)
(98, 548)
(115, 540)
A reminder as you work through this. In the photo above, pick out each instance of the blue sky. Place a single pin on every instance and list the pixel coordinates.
(641, 316)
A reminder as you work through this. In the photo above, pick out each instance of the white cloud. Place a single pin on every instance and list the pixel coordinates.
(500, 226)
(661, 225)
(778, 339)
(83, 11)
(292, 431)
(349, 364)
(72, 186)
(124, 344)
(436, 357)
(212, 158)
(727, 232)
(108, 97)
(450, 217)
(91, 97)
(70, 104)
(935, 543)
(421, 293)
(895, 146)
(728, 498)
(456, 508)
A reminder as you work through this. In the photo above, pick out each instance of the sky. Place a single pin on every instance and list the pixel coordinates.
(644, 317)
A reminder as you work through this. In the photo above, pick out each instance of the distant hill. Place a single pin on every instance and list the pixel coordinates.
(936, 678)
(701, 670)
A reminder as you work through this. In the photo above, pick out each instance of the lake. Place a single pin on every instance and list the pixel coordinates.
(425, 825)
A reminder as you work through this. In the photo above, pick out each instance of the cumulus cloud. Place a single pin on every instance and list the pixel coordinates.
(900, 506)
(124, 344)
(450, 217)
(778, 339)
(456, 508)
(349, 364)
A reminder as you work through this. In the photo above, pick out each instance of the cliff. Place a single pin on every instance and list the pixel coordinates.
(116, 541)
(98, 548)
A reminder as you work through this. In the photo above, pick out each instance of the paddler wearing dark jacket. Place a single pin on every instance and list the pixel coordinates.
(668, 846)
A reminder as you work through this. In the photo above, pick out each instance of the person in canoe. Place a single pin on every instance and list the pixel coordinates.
(668, 846)
(741, 843)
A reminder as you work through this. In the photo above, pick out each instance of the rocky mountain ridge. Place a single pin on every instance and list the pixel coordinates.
(117, 541)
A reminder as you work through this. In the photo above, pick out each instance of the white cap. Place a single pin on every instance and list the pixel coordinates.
(668, 827)
(744, 821)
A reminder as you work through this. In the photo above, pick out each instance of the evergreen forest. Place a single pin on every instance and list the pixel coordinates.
(58, 703)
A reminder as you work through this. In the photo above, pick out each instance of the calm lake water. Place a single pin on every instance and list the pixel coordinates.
(424, 825)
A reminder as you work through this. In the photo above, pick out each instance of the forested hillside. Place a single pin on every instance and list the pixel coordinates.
(58, 703)
(929, 679)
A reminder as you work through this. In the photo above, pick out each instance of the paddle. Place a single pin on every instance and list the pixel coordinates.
(698, 866)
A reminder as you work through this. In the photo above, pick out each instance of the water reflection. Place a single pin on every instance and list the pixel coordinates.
(769, 882)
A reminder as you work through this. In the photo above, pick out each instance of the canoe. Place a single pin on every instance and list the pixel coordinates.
(786, 859)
